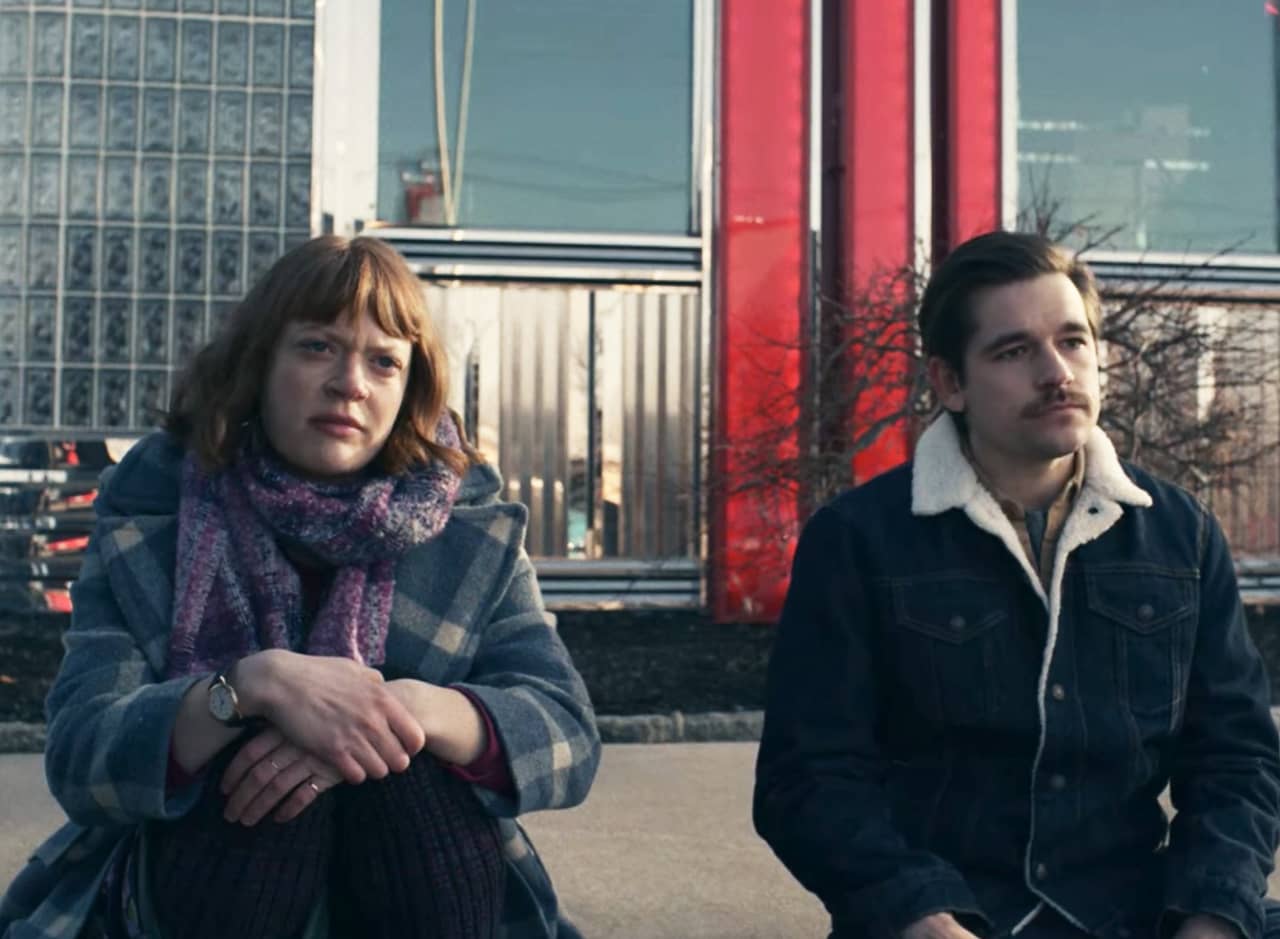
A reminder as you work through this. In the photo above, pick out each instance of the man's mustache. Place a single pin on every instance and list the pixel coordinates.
(1057, 399)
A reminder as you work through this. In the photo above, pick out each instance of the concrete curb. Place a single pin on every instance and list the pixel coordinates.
(676, 727)
(681, 728)
(18, 737)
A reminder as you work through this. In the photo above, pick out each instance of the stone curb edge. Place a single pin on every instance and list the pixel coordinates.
(17, 737)
(676, 727)
(707, 727)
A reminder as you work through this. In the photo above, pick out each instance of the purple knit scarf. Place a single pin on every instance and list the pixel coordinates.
(237, 593)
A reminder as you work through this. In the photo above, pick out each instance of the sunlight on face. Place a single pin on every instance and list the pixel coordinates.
(332, 394)
(1030, 393)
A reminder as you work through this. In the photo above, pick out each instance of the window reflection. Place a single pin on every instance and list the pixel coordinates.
(1152, 123)
(1240, 381)
(561, 115)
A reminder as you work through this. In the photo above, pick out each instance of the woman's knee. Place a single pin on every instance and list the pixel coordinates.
(210, 877)
(419, 855)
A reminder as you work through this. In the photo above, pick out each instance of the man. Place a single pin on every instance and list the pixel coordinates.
(993, 659)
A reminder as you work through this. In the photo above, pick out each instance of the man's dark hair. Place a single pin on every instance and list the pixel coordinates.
(992, 260)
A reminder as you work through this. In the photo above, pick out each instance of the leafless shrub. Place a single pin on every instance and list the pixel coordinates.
(1190, 392)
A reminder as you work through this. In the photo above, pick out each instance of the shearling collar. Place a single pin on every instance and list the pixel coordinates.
(943, 479)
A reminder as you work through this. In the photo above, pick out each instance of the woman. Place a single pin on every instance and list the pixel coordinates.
(309, 680)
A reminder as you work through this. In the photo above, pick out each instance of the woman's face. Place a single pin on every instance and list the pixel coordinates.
(332, 394)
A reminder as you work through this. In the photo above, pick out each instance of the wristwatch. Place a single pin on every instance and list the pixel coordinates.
(224, 705)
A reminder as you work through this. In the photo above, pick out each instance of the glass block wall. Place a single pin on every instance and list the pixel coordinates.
(155, 157)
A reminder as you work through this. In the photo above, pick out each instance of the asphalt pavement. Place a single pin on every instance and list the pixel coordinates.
(662, 849)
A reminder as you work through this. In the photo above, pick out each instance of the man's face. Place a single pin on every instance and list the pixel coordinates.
(332, 394)
(1030, 391)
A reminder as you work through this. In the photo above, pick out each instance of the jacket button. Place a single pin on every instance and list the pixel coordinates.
(1146, 611)
(1041, 872)
(1058, 781)
(957, 622)
(1059, 693)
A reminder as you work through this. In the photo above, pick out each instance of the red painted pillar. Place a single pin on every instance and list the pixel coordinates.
(973, 151)
(761, 298)
(878, 144)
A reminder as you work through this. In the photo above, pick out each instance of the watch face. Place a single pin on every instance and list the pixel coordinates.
(222, 702)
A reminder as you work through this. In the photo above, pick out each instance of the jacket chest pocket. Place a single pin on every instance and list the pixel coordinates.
(1150, 615)
(947, 637)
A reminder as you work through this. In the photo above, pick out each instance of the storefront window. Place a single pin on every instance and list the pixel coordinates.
(1151, 123)
(560, 115)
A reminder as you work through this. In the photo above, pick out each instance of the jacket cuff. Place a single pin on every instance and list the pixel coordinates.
(490, 768)
(1215, 896)
(897, 906)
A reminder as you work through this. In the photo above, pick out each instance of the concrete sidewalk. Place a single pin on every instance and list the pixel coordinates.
(662, 849)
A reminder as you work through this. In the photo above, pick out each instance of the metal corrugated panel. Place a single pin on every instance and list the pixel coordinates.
(533, 370)
(586, 401)
(653, 340)
(1240, 375)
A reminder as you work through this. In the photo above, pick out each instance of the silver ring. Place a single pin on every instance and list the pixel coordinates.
(274, 765)
(314, 787)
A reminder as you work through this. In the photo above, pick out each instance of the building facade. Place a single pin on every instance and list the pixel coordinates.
(154, 157)
(637, 225)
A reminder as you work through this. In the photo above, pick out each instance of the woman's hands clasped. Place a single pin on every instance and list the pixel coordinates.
(335, 709)
(332, 720)
(271, 776)
(329, 720)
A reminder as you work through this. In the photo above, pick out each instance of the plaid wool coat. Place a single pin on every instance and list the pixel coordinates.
(467, 612)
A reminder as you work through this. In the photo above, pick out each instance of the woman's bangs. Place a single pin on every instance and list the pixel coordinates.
(322, 299)
(396, 307)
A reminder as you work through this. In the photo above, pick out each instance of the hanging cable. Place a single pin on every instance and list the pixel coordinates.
(464, 104)
(442, 119)
(451, 184)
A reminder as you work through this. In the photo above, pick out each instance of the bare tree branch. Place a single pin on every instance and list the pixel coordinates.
(1190, 391)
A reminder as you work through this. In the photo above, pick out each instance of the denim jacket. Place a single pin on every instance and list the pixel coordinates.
(943, 734)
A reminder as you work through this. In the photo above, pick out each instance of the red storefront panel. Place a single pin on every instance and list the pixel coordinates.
(761, 276)
(974, 119)
(877, 137)
(762, 269)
